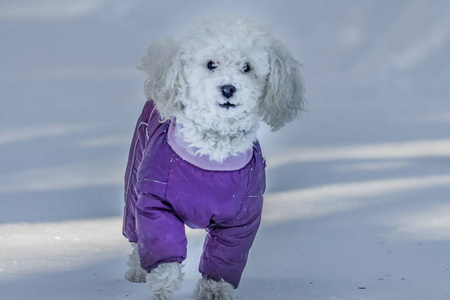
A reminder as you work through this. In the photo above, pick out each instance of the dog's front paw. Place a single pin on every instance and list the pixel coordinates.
(208, 289)
(164, 280)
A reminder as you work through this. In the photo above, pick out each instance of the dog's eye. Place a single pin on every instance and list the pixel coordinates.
(212, 65)
(246, 67)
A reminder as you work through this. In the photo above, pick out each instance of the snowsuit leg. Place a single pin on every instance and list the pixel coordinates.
(161, 233)
(227, 244)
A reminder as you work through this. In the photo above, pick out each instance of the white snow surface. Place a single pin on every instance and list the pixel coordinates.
(357, 203)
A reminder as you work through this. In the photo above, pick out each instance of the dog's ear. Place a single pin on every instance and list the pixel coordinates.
(283, 99)
(165, 84)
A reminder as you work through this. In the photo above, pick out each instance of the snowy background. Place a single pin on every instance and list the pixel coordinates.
(357, 205)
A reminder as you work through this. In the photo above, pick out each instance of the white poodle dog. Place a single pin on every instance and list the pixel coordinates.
(195, 159)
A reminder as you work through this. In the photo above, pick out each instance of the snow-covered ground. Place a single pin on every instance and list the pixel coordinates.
(357, 205)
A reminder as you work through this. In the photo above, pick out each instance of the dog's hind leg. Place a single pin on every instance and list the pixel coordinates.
(135, 273)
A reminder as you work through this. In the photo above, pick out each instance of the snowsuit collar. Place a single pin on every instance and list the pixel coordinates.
(187, 152)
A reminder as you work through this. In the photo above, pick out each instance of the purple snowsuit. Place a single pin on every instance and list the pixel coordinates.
(163, 192)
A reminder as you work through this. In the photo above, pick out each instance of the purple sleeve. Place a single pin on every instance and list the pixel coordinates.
(227, 244)
(162, 237)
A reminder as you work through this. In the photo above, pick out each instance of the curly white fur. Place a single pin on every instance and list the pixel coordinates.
(135, 273)
(182, 86)
(164, 280)
(208, 289)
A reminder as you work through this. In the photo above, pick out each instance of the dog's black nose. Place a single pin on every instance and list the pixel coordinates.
(227, 90)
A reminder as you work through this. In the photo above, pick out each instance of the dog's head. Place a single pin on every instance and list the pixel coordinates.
(227, 74)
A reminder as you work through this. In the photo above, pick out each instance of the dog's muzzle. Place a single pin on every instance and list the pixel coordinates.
(227, 91)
